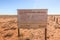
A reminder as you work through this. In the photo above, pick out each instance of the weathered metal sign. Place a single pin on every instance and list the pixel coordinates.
(32, 16)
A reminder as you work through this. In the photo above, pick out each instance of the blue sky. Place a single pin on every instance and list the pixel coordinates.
(9, 7)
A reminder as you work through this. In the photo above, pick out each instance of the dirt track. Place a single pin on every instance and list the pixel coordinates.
(9, 29)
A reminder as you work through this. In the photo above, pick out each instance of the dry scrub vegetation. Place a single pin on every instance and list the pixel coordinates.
(9, 29)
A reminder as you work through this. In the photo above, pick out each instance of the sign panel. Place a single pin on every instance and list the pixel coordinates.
(33, 16)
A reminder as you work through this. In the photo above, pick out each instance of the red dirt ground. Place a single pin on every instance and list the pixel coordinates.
(9, 29)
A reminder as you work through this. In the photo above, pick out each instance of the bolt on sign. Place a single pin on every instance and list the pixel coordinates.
(32, 16)
(35, 21)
